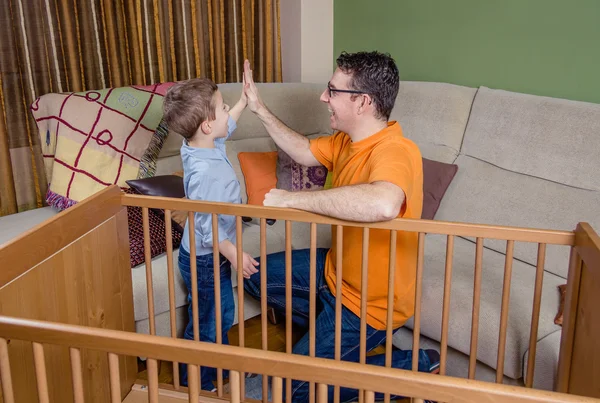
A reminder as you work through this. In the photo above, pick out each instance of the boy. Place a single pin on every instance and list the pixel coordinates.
(195, 109)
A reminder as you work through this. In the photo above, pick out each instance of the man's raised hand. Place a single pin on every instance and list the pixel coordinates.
(254, 102)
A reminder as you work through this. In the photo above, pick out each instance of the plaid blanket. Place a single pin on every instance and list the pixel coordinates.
(93, 139)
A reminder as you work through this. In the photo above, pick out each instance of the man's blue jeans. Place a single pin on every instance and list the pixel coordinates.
(325, 320)
(207, 308)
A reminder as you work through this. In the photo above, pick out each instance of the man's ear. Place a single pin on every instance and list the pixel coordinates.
(206, 127)
(364, 103)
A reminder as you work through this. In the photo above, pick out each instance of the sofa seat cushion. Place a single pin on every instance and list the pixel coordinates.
(461, 302)
(251, 245)
(434, 116)
(13, 225)
(457, 363)
(486, 194)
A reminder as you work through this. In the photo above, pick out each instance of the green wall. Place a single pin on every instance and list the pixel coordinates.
(542, 47)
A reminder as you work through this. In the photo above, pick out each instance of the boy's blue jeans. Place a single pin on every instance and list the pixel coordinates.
(207, 308)
(325, 320)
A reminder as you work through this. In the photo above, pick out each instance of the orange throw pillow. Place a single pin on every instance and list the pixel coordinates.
(260, 174)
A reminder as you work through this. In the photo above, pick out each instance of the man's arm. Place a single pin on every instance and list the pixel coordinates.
(377, 201)
(292, 143)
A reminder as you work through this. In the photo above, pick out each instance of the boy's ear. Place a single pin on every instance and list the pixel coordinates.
(206, 127)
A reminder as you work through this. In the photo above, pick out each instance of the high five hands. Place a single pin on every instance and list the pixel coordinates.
(254, 101)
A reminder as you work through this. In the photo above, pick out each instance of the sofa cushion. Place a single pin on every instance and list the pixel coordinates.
(486, 194)
(295, 104)
(156, 229)
(549, 138)
(434, 116)
(293, 176)
(14, 225)
(436, 179)
(262, 144)
(461, 302)
(258, 169)
(164, 186)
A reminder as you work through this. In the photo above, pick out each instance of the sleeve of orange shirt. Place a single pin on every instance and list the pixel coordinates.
(323, 149)
(394, 164)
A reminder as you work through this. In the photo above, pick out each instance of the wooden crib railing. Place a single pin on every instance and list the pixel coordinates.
(322, 372)
(75, 269)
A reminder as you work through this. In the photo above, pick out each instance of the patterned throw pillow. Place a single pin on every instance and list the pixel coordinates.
(93, 139)
(156, 224)
(294, 177)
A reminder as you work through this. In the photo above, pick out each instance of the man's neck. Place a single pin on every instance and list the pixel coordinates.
(366, 128)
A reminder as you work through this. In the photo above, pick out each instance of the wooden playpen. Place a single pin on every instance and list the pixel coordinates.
(67, 324)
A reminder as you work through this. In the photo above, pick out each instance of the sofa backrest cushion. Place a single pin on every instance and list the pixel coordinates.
(295, 104)
(434, 116)
(549, 138)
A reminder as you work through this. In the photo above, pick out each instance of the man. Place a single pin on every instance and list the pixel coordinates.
(377, 176)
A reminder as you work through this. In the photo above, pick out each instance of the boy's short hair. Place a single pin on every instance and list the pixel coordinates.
(189, 103)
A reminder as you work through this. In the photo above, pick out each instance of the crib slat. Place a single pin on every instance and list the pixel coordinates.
(535, 315)
(234, 381)
(171, 281)
(148, 264)
(76, 374)
(446, 306)
(5, 375)
(240, 289)
(288, 302)
(115, 380)
(312, 302)
(390, 305)
(418, 292)
(338, 303)
(40, 372)
(364, 287)
(263, 299)
(152, 366)
(321, 393)
(193, 383)
(277, 389)
(504, 310)
(194, 280)
(476, 301)
(369, 396)
(217, 282)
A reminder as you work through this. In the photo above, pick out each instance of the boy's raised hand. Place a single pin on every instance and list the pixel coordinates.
(254, 101)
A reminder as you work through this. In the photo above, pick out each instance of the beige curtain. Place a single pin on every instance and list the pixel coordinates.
(76, 45)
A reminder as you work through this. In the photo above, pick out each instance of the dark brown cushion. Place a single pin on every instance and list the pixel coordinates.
(436, 179)
(164, 186)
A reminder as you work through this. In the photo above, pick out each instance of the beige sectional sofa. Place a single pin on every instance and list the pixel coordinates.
(523, 160)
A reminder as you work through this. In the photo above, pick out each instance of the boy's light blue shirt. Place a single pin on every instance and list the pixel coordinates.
(209, 176)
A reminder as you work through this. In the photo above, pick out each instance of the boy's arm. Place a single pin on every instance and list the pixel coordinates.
(239, 107)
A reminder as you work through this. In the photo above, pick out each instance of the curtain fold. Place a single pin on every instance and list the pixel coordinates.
(76, 45)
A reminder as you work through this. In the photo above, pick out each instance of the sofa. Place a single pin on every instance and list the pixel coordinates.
(523, 160)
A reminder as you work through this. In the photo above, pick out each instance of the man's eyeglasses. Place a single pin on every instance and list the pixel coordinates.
(332, 90)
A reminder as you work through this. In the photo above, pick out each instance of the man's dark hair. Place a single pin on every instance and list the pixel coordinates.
(375, 74)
